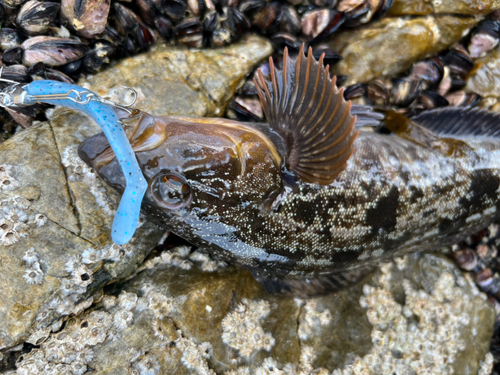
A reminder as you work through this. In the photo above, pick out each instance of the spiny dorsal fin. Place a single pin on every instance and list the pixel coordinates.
(303, 104)
(460, 122)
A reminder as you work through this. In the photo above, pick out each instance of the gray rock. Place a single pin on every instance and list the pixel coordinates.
(390, 46)
(55, 214)
(179, 81)
(416, 313)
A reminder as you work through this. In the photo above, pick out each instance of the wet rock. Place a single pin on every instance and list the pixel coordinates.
(417, 312)
(175, 78)
(484, 79)
(392, 45)
(56, 252)
(49, 270)
(425, 7)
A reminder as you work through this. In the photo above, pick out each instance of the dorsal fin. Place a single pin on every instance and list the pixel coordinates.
(303, 105)
(460, 122)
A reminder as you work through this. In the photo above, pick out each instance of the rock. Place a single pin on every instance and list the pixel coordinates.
(175, 78)
(48, 269)
(417, 312)
(484, 79)
(392, 45)
(55, 213)
(425, 7)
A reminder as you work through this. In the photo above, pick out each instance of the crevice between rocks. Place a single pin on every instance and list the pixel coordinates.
(76, 213)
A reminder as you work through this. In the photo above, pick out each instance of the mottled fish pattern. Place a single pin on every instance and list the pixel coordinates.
(308, 203)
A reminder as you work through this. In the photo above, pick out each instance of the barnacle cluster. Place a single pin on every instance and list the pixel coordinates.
(14, 219)
(33, 273)
(7, 182)
(312, 319)
(72, 349)
(183, 257)
(424, 334)
(242, 331)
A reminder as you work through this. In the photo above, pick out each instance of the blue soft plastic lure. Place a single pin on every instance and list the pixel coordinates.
(75, 97)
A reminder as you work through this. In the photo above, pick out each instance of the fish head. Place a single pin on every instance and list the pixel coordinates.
(213, 170)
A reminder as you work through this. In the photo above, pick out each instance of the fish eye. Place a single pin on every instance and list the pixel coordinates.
(171, 190)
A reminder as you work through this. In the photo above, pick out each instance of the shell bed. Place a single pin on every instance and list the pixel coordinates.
(127, 217)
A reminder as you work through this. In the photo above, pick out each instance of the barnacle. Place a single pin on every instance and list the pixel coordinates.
(147, 365)
(33, 274)
(127, 301)
(108, 302)
(30, 256)
(40, 220)
(7, 182)
(312, 320)
(122, 319)
(241, 328)
(73, 263)
(194, 356)
(39, 336)
(207, 264)
(91, 255)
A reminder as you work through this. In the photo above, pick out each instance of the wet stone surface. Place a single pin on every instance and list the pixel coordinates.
(184, 313)
(198, 82)
(392, 45)
(424, 7)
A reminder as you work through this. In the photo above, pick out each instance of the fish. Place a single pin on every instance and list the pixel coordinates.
(316, 198)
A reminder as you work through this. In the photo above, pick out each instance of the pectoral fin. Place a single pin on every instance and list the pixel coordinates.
(303, 105)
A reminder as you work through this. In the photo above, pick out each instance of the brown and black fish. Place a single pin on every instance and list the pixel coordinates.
(308, 203)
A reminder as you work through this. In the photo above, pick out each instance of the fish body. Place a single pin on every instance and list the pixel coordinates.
(299, 216)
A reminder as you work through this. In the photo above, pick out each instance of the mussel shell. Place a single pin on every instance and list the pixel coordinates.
(100, 53)
(488, 26)
(211, 21)
(319, 24)
(290, 21)
(12, 56)
(144, 36)
(71, 67)
(429, 70)
(10, 38)
(57, 75)
(282, 40)
(52, 51)
(459, 60)
(34, 17)
(164, 27)
(431, 99)
(250, 6)
(463, 99)
(148, 10)
(466, 259)
(175, 9)
(246, 109)
(270, 15)
(190, 33)
(378, 94)
(481, 43)
(18, 73)
(330, 57)
(405, 91)
(355, 91)
(87, 18)
(236, 22)
(127, 20)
